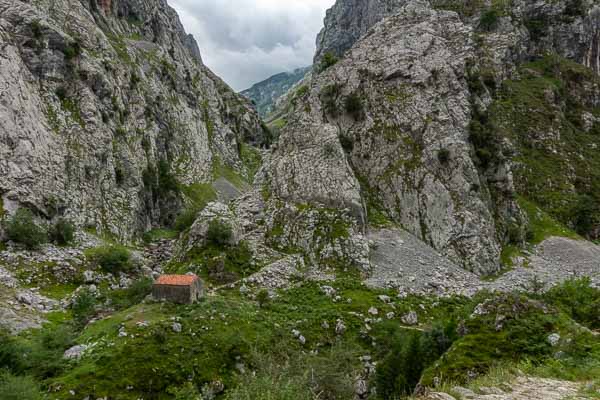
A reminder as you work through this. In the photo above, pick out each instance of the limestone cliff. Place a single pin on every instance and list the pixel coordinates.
(399, 129)
(347, 21)
(107, 113)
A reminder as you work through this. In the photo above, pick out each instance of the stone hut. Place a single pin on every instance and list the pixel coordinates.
(181, 289)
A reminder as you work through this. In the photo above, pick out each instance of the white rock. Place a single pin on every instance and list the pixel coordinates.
(176, 327)
(410, 318)
(554, 339)
(75, 352)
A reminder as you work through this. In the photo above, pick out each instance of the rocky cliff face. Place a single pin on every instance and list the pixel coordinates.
(107, 113)
(399, 129)
(347, 21)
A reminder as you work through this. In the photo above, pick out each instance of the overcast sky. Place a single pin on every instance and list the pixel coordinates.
(246, 41)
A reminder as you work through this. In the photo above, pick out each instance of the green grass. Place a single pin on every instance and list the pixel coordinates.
(221, 170)
(216, 333)
(278, 124)
(509, 253)
(198, 195)
(58, 291)
(523, 336)
(226, 329)
(252, 160)
(556, 164)
(542, 225)
(160, 233)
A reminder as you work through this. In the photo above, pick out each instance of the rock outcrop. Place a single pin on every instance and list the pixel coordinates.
(522, 388)
(412, 106)
(398, 129)
(348, 20)
(106, 112)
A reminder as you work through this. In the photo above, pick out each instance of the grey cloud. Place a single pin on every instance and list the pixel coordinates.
(245, 41)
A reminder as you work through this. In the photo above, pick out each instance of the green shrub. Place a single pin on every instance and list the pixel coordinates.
(62, 232)
(482, 136)
(347, 143)
(36, 29)
(189, 391)
(111, 259)
(302, 91)
(329, 96)
(575, 8)
(537, 27)
(185, 219)
(399, 373)
(354, 106)
(10, 352)
(263, 298)
(409, 353)
(223, 264)
(271, 385)
(514, 234)
(166, 181)
(18, 388)
(125, 298)
(119, 176)
(40, 355)
(328, 60)
(61, 93)
(444, 156)
(219, 233)
(21, 228)
(489, 20)
(44, 358)
(583, 212)
(72, 50)
(578, 299)
(83, 307)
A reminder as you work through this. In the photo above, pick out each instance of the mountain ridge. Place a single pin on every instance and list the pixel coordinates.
(265, 94)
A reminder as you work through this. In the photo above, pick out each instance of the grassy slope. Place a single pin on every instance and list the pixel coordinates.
(541, 114)
(153, 361)
(218, 333)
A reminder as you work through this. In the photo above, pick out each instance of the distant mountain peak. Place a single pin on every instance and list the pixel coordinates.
(265, 93)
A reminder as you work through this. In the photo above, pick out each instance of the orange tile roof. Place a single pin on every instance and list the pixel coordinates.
(176, 280)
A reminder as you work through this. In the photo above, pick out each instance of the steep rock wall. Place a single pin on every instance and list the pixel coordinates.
(106, 112)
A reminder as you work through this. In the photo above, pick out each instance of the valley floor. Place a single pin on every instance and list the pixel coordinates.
(418, 321)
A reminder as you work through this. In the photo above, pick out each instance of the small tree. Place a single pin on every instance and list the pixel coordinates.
(328, 60)
(263, 298)
(444, 156)
(62, 232)
(354, 106)
(489, 20)
(329, 96)
(185, 219)
(219, 233)
(111, 259)
(72, 50)
(21, 228)
(83, 307)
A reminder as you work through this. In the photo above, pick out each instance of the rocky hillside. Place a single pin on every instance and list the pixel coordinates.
(432, 131)
(108, 114)
(266, 93)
